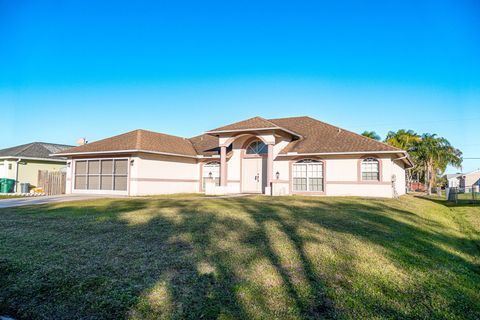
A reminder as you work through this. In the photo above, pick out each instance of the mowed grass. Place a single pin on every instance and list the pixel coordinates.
(4, 197)
(191, 257)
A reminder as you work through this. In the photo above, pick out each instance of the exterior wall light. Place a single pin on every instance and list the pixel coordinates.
(131, 162)
(277, 175)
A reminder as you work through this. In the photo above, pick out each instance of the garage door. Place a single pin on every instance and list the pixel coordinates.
(102, 175)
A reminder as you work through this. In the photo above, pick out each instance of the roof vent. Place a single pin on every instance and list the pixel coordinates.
(81, 141)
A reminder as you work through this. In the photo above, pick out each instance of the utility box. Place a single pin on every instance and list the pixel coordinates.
(25, 187)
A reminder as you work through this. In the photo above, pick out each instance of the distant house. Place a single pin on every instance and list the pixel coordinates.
(462, 180)
(453, 180)
(299, 155)
(23, 162)
(470, 179)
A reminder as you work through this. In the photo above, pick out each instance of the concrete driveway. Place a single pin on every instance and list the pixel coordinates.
(28, 201)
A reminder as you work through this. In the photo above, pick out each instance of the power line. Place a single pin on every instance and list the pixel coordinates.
(415, 122)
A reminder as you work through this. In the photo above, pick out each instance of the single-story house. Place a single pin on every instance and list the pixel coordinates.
(470, 179)
(453, 179)
(22, 163)
(297, 155)
(464, 180)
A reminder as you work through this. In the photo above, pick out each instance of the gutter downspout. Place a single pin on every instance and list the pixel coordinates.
(407, 177)
(16, 174)
(404, 157)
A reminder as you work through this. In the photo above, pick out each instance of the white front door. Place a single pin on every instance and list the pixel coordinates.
(253, 177)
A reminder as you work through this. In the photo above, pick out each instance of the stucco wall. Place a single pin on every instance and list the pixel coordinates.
(69, 179)
(400, 182)
(28, 170)
(472, 179)
(342, 177)
(5, 172)
(156, 174)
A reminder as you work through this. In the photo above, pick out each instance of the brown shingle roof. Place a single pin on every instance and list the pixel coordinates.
(205, 144)
(321, 137)
(252, 123)
(314, 137)
(139, 140)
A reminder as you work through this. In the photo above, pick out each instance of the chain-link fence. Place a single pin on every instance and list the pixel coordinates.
(464, 195)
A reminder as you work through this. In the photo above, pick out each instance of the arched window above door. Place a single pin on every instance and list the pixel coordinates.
(257, 147)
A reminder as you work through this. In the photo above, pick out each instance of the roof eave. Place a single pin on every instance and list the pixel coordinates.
(214, 132)
(125, 151)
(289, 154)
(34, 158)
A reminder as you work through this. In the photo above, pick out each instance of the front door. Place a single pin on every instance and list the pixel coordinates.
(253, 177)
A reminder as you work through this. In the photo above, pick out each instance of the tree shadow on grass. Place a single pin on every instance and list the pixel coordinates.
(231, 258)
(408, 246)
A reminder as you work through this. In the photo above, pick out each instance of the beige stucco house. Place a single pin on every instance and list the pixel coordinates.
(298, 155)
(463, 180)
(470, 179)
(22, 163)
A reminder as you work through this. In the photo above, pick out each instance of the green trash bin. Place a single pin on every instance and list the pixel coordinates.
(7, 185)
(2, 181)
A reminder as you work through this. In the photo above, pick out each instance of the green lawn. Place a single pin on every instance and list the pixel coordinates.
(468, 197)
(254, 257)
(3, 197)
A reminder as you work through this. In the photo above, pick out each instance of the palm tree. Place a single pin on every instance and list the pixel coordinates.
(371, 134)
(430, 154)
(402, 139)
(435, 154)
(406, 140)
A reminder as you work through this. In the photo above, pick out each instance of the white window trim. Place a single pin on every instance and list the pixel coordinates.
(307, 164)
(370, 160)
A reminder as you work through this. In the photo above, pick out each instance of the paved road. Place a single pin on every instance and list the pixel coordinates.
(16, 202)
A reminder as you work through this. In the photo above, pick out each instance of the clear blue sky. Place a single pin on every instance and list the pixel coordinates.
(71, 69)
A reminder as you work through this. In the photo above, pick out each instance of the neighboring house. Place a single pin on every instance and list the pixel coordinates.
(298, 155)
(470, 179)
(462, 180)
(23, 162)
(453, 180)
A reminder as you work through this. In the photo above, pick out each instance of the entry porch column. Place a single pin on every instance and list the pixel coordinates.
(223, 166)
(268, 189)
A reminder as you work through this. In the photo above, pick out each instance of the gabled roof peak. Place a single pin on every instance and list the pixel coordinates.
(248, 124)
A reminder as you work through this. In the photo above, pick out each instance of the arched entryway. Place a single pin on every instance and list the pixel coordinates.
(250, 162)
(254, 166)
